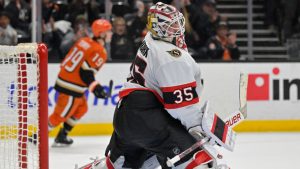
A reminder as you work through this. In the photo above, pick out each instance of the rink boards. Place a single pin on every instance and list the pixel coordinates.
(273, 95)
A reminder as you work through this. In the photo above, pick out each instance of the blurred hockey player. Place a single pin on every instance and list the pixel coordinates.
(77, 74)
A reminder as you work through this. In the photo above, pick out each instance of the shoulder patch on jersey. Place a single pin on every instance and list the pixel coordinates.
(175, 53)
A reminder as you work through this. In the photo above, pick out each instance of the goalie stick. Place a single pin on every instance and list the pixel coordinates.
(91, 165)
(236, 117)
(172, 161)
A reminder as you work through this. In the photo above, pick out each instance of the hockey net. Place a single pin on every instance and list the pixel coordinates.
(23, 107)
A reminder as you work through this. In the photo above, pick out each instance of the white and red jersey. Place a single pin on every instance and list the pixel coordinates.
(170, 73)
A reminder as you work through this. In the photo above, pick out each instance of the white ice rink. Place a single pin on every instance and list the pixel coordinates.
(252, 151)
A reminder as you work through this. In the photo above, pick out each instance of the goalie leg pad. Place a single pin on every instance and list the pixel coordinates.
(218, 160)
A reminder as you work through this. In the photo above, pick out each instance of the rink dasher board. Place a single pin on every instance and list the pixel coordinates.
(275, 87)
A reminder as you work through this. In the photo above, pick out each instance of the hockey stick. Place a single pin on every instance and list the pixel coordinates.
(110, 88)
(236, 117)
(172, 161)
(91, 165)
(243, 93)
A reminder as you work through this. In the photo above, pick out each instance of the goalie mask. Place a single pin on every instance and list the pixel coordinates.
(165, 22)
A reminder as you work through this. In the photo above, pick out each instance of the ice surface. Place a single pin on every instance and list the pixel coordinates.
(252, 151)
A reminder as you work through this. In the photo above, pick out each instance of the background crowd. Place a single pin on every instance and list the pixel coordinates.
(208, 34)
(282, 17)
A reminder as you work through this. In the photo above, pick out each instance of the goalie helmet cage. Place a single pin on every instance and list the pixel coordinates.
(23, 106)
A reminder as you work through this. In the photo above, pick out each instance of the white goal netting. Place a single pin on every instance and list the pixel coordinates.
(19, 118)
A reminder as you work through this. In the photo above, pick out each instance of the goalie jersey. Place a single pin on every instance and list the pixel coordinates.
(172, 75)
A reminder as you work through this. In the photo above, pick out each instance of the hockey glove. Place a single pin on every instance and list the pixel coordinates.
(197, 132)
(98, 90)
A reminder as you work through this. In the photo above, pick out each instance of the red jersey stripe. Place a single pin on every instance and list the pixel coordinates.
(173, 88)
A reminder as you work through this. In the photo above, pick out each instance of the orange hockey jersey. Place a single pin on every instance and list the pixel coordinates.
(85, 54)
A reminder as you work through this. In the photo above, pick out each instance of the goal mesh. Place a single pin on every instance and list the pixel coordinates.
(20, 107)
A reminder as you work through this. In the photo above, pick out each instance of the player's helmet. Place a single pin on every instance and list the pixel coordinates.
(165, 21)
(99, 26)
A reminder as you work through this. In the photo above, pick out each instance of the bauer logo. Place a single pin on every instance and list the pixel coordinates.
(272, 86)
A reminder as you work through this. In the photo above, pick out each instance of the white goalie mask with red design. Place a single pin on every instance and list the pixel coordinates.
(167, 23)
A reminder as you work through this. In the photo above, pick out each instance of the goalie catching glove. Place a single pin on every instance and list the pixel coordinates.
(98, 90)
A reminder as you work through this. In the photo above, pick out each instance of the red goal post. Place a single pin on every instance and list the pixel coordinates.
(24, 106)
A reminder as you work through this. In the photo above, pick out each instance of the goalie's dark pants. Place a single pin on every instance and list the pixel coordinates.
(142, 127)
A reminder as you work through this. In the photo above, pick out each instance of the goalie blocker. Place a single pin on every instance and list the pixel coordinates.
(215, 128)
